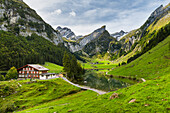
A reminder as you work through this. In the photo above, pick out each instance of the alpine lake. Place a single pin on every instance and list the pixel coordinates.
(101, 82)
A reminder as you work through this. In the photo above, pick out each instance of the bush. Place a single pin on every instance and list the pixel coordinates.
(12, 73)
(123, 63)
(2, 78)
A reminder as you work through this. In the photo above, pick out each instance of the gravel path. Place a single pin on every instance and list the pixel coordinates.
(85, 87)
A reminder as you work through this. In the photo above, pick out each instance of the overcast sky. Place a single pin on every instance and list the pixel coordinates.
(84, 16)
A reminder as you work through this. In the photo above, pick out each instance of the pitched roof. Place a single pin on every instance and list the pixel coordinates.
(38, 67)
(35, 66)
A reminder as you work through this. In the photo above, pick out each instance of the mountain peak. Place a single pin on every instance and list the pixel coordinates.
(66, 32)
(118, 35)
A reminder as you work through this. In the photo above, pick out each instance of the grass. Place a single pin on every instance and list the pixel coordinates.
(124, 58)
(53, 67)
(31, 94)
(151, 96)
(152, 64)
(103, 64)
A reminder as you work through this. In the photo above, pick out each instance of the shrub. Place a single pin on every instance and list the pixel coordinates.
(2, 78)
(123, 63)
(12, 73)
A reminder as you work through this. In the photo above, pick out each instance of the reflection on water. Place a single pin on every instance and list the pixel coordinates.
(101, 82)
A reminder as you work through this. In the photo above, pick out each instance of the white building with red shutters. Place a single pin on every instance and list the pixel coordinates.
(35, 71)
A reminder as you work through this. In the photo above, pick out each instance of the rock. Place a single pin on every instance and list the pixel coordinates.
(143, 80)
(133, 100)
(114, 95)
(168, 108)
(67, 33)
(92, 36)
(146, 104)
(70, 110)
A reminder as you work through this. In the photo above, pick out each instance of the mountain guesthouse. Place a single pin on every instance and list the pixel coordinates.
(35, 71)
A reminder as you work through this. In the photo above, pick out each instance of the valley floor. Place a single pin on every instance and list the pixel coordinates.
(149, 96)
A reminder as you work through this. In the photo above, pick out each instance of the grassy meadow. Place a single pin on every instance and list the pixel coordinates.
(17, 95)
(54, 68)
(152, 64)
(150, 97)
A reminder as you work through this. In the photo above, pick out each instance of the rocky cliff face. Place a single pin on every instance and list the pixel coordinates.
(157, 14)
(132, 40)
(19, 18)
(97, 41)
(98, 45)
(92, 36)
(66, 33)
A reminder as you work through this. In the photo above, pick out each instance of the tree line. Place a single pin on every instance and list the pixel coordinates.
(72, 67)
(18, 51)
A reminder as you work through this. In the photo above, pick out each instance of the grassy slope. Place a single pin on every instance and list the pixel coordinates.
(29, 95)
(151, 96)
(106, 64)
(154, 63)
(53, 67)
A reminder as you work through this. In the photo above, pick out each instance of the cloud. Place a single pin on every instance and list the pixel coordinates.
(57, 12)
(72, 13)
(91, 14)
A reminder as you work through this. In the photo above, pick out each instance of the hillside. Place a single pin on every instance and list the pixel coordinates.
(138, 41)
(152, 64)
(18, 50)
(149, 96)
(53, 67)
(18, 18)
(91, 44)
(17, 95)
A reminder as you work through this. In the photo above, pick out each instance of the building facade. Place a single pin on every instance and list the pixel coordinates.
(35, 71)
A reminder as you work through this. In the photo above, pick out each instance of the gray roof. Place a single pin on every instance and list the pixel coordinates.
(38, 67)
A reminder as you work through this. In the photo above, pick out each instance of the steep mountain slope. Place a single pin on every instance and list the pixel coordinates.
(18, 50)
(150, 65)
(147, 36)
(98, 45)
(66, 33)
(97, 41)
(19, 18)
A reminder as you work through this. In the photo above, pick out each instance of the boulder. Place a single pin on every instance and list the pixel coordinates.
(114, 95)
(133, 100)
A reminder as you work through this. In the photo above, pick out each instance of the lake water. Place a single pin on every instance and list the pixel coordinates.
(104, 83)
